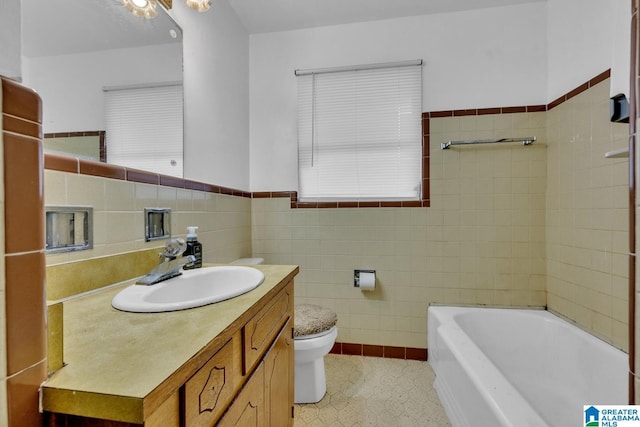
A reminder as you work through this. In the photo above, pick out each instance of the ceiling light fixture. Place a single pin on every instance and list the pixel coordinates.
(142, 8)
(199, 5)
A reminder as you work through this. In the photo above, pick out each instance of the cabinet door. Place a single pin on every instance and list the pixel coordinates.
(278, 382)
(261, 330)
(208, 393)
(248, 409)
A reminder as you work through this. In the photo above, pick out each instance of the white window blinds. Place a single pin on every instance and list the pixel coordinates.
(144, 128)
(360, 134)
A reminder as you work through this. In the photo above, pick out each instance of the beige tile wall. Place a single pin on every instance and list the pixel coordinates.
(224, 221)
(480, 242)
(508, 225)
(587, 216)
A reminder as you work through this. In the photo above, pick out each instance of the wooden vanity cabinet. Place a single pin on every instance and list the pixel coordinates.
(248, 409)
(258, 373)
(208, 393)
(260, 331)
(267, 397)
(247, 382)
(278, 383)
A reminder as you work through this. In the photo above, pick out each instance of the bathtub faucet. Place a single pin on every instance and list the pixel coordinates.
(170, 263)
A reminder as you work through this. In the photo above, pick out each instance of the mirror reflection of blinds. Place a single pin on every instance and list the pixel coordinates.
(144, 128)
(360, 134)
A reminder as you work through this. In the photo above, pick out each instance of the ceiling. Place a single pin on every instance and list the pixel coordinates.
(57, 27)
(261, 16)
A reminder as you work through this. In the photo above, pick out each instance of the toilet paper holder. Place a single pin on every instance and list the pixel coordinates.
(356, 276)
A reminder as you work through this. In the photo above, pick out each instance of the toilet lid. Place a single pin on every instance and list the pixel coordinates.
(312, 319)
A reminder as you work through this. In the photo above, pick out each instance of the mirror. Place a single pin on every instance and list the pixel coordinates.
(74, 51)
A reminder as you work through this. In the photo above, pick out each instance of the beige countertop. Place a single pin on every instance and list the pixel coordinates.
(122, 365)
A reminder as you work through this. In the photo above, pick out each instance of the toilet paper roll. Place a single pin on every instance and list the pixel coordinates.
(367, 280)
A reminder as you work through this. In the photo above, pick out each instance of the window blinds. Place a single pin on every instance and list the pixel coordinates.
(144, 128)
(360, 134)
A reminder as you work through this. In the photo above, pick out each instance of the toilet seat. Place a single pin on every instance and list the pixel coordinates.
(312, 320)
(313, 336)
(317, 344)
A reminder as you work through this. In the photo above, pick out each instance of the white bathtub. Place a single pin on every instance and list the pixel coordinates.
(511, 367)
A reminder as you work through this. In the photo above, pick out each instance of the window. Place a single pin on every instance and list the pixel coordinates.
(144, 128)
(360, 133)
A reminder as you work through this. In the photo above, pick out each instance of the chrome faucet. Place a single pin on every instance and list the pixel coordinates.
(170, 263)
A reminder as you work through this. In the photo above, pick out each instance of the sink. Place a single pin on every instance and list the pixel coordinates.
(194, 288)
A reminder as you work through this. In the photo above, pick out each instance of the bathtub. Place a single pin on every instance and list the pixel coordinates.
(512, 367)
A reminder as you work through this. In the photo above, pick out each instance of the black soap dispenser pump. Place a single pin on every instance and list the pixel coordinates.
(193, 248)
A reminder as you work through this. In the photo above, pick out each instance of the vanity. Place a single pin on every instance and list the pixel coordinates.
(229, 363)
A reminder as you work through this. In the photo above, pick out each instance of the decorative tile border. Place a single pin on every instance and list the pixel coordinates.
(88, 167)
(485, 111)
(388, 352)
(583, 87)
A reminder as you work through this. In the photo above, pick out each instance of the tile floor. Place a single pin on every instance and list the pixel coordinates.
(371, 391)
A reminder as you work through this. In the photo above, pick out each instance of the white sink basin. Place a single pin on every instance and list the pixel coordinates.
(194, 288)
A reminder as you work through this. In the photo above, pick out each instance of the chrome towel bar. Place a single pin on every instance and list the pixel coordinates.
(527, 140)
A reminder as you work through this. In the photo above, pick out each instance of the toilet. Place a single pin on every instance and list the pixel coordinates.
(248, 261)
(314, 335)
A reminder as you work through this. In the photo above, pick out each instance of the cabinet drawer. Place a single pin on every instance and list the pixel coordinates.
(261, 330)
(208, 393)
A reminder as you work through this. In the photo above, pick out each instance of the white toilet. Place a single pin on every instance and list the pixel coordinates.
(314, 334)
(248, 261)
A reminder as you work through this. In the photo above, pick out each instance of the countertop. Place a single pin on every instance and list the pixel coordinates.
(122, 365)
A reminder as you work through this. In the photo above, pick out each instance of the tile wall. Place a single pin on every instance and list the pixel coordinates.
(224, 220)
(587, 233)
(501, 219)
(22, 282)
(484, 238)
(508, 225)
(480, 242)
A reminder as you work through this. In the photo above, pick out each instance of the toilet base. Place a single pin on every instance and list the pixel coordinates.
(310, 382)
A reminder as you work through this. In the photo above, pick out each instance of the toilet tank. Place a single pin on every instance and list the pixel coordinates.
(248, 261)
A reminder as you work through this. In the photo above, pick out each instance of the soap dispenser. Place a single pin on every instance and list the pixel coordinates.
(193, 248)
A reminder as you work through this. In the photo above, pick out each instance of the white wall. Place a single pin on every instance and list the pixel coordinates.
(10, 45)
(581, 37)
(216, 92)
(526, 54)
(216, 84)
(485, 58)
(71, 86)
(620, 47)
